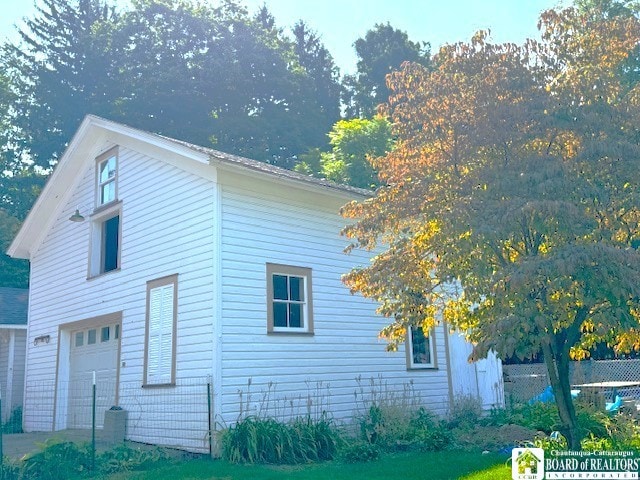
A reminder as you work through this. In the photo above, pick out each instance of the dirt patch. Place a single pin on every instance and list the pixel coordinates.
(494, 438)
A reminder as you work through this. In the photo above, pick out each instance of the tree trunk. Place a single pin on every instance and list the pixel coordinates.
(558, 369)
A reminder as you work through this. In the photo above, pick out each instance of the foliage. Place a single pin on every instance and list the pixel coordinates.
(394, 429)
(13, 272)
(509, 204)
(354, 143)
(382, 50)
(14, 422)
(207, 75)
(57, 460)
(465, 411)
(124, 458)
(266, 440)
(9, 470)
(360, 452)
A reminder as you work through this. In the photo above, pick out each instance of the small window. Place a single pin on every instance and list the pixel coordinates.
(79, 339)
(91, 337)
(110, 244)
(104, 334)
(420, 349)
(107, 177)
(289, 307)
(116, 331)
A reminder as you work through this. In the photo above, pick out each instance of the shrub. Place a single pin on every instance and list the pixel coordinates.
(123, 458)
(9, 470)
(257, 440)
(14, 423)
(360, 452)
(465, 411)
(57, 460)
(392, 428)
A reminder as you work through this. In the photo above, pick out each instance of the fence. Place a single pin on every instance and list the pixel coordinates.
(176, 416)
(523, 382)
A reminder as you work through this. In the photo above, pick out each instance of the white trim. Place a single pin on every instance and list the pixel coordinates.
(13, 326)
(217, 310)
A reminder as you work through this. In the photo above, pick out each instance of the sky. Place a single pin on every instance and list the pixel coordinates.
(341, 22)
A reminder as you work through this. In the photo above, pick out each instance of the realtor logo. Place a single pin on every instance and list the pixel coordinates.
(527, 464)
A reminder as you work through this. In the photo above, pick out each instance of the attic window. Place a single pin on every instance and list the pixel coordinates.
(107, 176)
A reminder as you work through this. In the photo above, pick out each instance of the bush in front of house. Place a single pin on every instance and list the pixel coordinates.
(266, 440)
(392, 428)
(57, 460)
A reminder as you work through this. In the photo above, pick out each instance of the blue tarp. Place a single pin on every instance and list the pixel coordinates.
(547, 396)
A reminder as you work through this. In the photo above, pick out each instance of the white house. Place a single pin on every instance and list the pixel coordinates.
(163, 266)
(13, 336)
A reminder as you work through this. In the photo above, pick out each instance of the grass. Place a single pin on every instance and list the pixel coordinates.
(497, 472)
(433, 465)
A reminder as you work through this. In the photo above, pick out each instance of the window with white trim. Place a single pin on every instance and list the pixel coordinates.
(289, 299)
(107, 177)
(420, 349)
(160, 344)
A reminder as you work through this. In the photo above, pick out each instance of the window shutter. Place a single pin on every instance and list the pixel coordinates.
(160, 347)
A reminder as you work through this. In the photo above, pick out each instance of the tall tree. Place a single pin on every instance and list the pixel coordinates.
(61, 71)
(381, 51)
(510, 202)
(212, 76)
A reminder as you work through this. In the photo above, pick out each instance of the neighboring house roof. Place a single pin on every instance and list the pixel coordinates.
(92, 135)
(13, 306)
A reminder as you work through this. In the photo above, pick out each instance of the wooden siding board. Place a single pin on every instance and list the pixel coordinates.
(258, 228)
(150, 191)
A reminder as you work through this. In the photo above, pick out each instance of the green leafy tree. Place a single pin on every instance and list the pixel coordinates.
(381, 51)
(354, 143)
(13, 272)
(60, 70)
(509, 205)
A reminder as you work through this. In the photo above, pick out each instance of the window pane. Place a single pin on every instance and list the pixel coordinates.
(116, 333)
(108, 192)
(91, 337)
(420, 346)
(279, 314)
(107, 169)
(295, 315)
(110, 230)
(280, 287)
(104, 334)
(296, 288)
(79, 339)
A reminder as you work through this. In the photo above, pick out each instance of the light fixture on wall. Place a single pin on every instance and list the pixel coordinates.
(41, 339)
(76, 217)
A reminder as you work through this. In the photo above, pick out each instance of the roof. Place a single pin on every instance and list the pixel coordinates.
(94, 132)
(13, 306)
(218, 157)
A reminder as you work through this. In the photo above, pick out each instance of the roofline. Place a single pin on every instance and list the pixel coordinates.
(64, 179)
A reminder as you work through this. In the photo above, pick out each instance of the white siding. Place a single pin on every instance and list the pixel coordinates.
(260, 224)
(167, 228)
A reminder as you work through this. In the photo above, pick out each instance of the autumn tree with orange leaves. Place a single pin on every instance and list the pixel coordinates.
(511, 202)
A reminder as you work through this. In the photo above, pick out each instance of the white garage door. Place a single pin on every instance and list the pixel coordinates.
(93, 349)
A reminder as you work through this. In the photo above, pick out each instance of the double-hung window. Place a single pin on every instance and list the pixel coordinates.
(107, 177)
(160, 334)
(420, 349)
(289, 300)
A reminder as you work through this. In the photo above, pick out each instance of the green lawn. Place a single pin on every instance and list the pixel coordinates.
(408, 466)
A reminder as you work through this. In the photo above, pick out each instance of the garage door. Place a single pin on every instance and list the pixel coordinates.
(93, 349)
